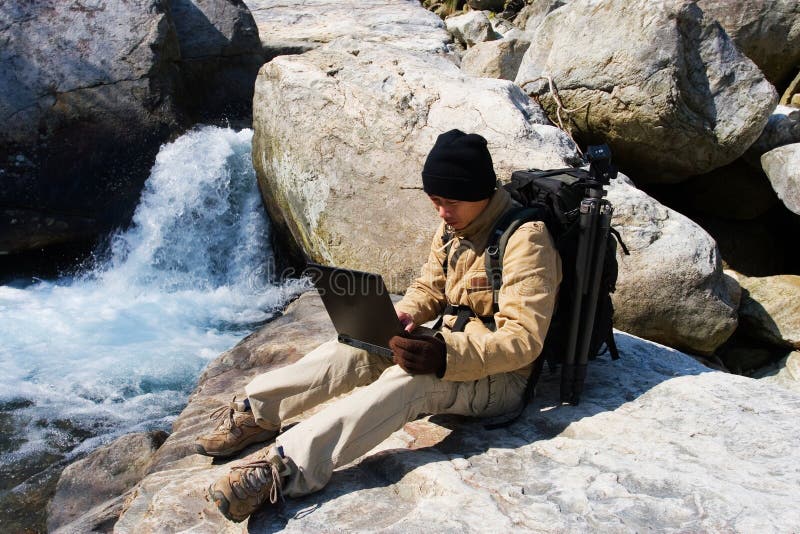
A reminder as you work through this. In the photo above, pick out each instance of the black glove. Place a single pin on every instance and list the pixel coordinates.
(419, 355)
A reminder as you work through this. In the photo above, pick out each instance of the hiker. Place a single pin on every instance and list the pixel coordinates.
(475, 364)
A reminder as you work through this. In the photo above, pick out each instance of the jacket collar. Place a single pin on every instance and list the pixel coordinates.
(478, 230)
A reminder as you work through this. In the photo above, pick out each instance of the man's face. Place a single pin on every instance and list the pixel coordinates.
(458, 213)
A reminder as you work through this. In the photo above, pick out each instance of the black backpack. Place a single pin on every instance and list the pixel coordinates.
(554, 197)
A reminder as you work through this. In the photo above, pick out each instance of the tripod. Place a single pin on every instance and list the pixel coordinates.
(594, 227)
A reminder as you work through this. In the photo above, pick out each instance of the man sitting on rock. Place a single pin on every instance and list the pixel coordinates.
(476, 365)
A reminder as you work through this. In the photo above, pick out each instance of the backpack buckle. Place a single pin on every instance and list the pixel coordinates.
(492, 251)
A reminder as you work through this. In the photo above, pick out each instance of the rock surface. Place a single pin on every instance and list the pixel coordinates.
(770, 309)
(671, 288)
(367, 116)
(657, 441)
(766, 31)
(294, 26)
(496, 59)
(106, 473)
(782, 166)
(470, 28)
(787, 373)
(662, 84)
(783, 128)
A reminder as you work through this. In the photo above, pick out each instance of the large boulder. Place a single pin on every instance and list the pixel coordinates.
(671, 288)
(782, 166)
(220, 56)
(661, 82)
(341, 134)
(87, 95)
(656, 440)
(767, 31)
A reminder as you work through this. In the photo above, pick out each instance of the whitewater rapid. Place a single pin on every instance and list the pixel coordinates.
(119, 347)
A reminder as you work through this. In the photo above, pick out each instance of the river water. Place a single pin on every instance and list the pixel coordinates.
(118, 347)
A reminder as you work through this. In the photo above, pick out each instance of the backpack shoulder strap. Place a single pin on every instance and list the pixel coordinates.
(498, 239)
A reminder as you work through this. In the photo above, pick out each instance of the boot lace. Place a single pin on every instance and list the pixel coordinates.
(257, 473)
(224, 414)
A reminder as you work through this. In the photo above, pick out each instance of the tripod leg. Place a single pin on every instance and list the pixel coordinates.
(589, 308)
(587, 230)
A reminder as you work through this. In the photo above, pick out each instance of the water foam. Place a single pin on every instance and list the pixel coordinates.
(119, 347)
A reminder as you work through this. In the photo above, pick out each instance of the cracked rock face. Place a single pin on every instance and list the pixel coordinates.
(661, 82)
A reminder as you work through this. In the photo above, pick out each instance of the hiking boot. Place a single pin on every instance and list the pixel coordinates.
(236, 430)
(249, 485)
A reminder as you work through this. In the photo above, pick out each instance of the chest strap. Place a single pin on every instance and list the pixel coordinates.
(463, 314)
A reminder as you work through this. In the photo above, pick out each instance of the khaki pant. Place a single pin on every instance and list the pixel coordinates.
(353, 425)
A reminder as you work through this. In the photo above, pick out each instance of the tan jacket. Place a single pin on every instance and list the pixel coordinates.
(531, 275)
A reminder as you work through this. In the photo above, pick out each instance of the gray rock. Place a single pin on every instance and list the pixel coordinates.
(294, 26)
(471, 28)
(104, 474)
(367, 116)
(782, 166)
(767, 31)
(657, 440)
(534, 13)
(220, 55)
(671, 289)
(662, 84)
(495, 59)
(783, 128)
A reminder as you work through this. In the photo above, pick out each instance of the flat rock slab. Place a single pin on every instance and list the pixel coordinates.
(294, 24)
(658, 441)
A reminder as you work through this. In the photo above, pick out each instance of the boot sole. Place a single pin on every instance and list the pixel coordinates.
(267, 435)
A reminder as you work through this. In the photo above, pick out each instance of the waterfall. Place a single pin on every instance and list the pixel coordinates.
(118, 347)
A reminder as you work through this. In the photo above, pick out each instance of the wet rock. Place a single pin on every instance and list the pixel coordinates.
(103, 475)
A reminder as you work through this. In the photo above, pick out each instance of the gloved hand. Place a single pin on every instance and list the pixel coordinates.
(419, 355)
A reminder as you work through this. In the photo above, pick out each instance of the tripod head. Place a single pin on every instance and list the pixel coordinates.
(600, 168)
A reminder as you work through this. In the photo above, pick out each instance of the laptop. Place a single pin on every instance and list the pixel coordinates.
(359, 306)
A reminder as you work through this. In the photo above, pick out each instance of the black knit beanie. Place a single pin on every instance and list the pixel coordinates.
(459, 167)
